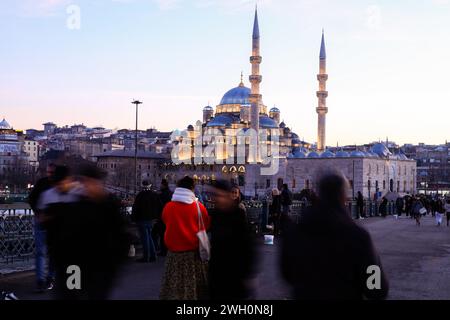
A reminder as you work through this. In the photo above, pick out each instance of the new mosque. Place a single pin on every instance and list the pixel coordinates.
(376, 171)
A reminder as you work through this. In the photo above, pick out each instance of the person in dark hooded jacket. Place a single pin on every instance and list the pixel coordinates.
(328, 255)
(231, 266)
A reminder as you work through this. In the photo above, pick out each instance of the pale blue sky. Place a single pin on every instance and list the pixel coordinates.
(388, 63)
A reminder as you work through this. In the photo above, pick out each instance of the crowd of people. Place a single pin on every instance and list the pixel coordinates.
(210, 251)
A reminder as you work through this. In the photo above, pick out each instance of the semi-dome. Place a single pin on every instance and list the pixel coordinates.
(5, 125)
(342, 154)
(238, 95)
(298, 152)
(282, 125)
(313, 154)
(357, 154)
(220, 120)
(327, 154)
(381, 150)
(266, 122)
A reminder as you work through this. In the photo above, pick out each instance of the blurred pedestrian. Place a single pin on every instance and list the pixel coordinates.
(383, 207)
(51, 205)
(145, 212)
(275, 211)
(417, 210)
(286, 199)
(360, 206)
(237, 196)
(185, 275)
(447, 210)
(440, 211)
(43, 280)
(91, 236)
(232, 247)
(165, 195)
(399, 203)
(328, 255)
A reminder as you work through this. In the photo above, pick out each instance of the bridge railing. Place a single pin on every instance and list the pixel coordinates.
(16, 233)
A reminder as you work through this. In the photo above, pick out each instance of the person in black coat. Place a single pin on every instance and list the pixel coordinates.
(360, 205)
(44, 281)
(232, 247)
(146, 212)
(159, 230)
(91, 235)
(327, 255)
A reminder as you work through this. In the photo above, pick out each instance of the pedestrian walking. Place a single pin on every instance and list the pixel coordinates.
(360, 206)
(275, 211)
(383, 207)
(440, 211)
(327, 254)
(232, 247)
(50, 206)
(91, 239)
(447, 210)
(417, 210)
(399, 203)
(165, 195)
(44, 281)
(146, 212)
(185, 275)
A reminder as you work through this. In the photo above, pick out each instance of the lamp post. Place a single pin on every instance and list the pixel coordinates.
(136, 103)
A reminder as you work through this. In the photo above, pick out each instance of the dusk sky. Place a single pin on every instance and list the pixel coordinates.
(388, 63)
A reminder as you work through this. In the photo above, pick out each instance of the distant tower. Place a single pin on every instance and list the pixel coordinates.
(255, 79)
(322, 94)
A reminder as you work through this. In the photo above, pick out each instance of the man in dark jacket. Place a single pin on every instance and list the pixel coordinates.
(146, 211)
(232, 247)
(40, 234)
(165, 196)
(360, 205)
(327, 255)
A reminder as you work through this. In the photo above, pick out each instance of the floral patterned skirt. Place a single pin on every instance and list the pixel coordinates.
(185, 277)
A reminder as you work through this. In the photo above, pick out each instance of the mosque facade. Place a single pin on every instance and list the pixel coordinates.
(374, 171)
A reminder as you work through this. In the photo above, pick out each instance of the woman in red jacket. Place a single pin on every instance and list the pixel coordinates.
(185, 276)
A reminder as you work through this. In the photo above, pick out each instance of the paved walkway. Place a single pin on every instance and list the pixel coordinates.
(416, 259)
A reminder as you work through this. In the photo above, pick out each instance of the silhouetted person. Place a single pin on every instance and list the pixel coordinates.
(146, 212)
(275, 211)
(360, 205)
(44, 280)
(399, 203)
(52, 204)
(165, 195)
(383, 207)
(327, 255)
(92, 236)
(232, 247)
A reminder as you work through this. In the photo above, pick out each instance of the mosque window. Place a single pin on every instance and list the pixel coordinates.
(384, 184)
(233, 169)
(241, 169)
(294, 185)
(268, 183)
(224, 169)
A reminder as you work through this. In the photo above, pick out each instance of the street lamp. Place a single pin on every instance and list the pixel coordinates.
(136, 103)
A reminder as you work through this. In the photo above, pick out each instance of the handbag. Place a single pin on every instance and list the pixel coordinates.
(204, 246)
(423, 211)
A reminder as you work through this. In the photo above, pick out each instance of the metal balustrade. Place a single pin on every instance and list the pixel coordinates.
(16, 233)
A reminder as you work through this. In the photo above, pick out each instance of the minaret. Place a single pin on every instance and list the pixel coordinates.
(255, 79)
(322, 94)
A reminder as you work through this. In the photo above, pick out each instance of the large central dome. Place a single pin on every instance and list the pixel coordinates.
(238, 95)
